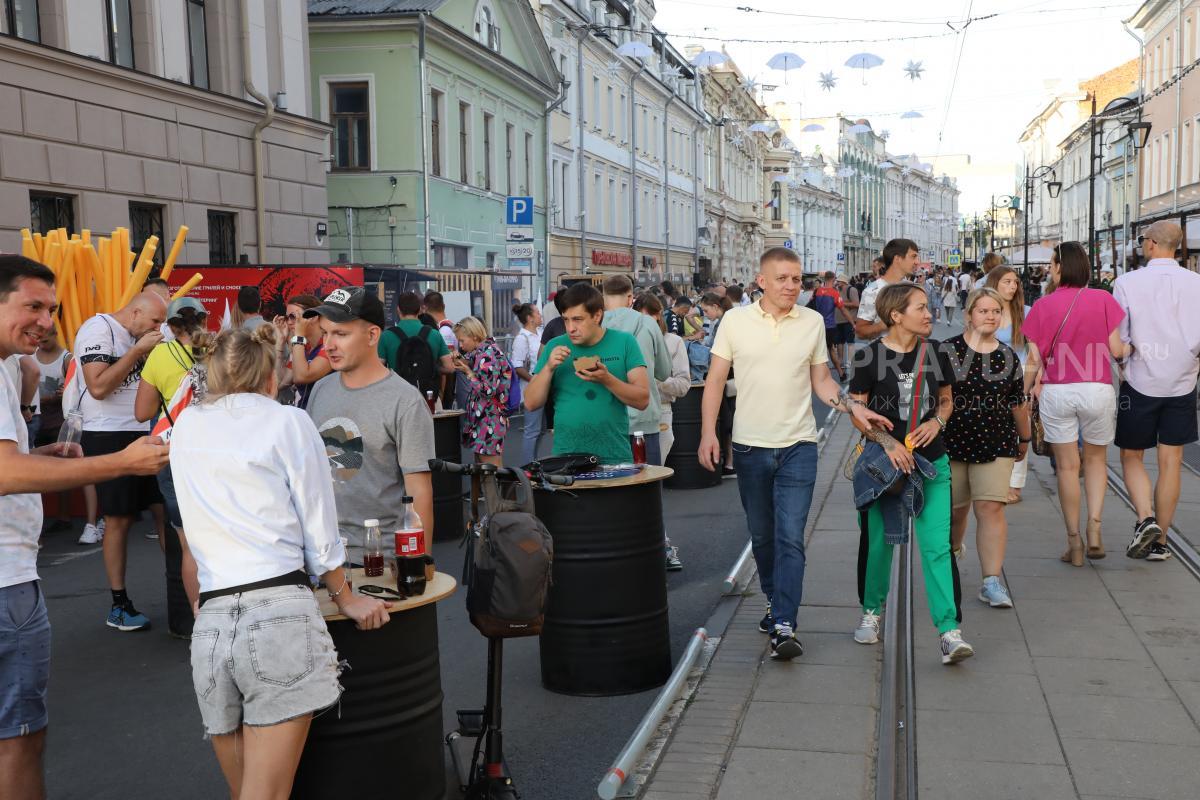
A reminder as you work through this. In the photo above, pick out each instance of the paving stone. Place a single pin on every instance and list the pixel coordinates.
(682, 759)
(677, 772)
(827, 619)
(656, 794)
(1026, 738)
(1132, 769)
(1151, 602)
(1074, 585)
(1189, 693)
(819, 683)
(1167, 631)
(697, 747)
(1095, 676)
(1094, 642)
(676, 789)
(993, 654)
(1129, 719)
(993, 781)
(1176, 663)
(960, 689)
(757, 773)
(808, 727)
(702, 734)
(837, 649)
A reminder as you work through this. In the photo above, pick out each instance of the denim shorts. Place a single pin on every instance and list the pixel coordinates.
(261, 658)
(24, 659)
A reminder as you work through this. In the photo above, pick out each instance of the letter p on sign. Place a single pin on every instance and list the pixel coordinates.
(518, 211)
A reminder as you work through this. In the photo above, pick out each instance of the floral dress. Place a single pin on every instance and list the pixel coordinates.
(486, 421)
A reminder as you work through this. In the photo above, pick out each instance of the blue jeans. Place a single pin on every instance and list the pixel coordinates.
(532, 434)
(24, 659)
(776, 485)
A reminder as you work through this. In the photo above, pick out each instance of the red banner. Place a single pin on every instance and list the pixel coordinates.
(219, 289)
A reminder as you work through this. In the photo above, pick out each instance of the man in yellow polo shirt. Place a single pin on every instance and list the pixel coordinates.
(781, 359)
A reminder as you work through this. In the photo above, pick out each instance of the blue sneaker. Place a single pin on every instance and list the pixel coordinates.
(994, 594)
(127, 619)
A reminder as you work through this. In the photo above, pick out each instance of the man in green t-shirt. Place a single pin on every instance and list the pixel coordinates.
(605, 375)
(408, 306)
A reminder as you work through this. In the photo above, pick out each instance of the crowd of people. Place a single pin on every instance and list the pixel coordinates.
(277, 439)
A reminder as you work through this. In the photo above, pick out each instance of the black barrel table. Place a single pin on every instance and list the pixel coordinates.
(448, 522)
(606, 630)
(384, 739)
(683, 459)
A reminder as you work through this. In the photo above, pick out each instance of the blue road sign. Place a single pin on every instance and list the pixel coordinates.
(518, 211)
(787, 243)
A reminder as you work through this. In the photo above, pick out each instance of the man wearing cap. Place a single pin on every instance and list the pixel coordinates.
(1157, 405)
(377, 429)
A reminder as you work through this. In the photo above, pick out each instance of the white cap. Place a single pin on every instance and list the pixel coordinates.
(638, 433)
(371, 523)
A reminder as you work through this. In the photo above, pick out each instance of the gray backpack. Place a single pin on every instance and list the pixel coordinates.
(508, 563)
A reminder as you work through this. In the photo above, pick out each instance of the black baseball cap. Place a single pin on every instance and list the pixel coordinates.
(350, 303)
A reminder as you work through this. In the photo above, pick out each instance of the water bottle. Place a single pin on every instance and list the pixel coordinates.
(372, 550)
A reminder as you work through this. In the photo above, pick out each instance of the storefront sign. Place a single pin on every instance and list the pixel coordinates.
(219, 289)
(608, 258)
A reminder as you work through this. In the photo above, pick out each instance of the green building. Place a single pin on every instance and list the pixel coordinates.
(438, 109)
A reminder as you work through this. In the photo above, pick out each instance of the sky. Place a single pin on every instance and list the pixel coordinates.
(981, 82)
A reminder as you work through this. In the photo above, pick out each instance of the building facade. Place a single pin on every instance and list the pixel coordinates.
(817, 215)
(143, 114)
(920, 206)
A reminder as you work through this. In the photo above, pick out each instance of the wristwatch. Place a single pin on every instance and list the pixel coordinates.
(295, 340)
(30, 409)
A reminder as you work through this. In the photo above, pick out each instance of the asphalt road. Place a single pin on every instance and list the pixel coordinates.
(124, 722)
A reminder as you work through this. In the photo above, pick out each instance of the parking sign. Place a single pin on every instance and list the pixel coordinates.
(518, 211)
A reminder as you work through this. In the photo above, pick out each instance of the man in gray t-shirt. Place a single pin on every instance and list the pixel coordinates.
(377, 429)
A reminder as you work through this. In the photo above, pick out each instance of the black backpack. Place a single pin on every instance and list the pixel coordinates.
(414, 360)
(508, 563)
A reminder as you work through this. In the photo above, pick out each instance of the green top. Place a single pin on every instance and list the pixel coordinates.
(389, 342)
(588, 418)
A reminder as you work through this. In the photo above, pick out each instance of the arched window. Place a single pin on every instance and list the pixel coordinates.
(487, 32)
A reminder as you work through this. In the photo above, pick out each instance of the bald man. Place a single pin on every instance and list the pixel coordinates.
(1157, 405)
(109, 351)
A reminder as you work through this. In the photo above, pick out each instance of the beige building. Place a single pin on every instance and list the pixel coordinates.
(141, 113)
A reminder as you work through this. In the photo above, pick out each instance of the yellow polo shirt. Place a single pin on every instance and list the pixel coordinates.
(771, 359)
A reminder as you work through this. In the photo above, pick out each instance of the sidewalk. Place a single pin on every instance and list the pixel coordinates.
(1089, 688)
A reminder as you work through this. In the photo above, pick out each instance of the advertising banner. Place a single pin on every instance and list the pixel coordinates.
(219, 289)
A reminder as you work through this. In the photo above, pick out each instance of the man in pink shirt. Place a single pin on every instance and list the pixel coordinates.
(1157, 406)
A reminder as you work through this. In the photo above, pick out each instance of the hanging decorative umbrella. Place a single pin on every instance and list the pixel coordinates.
(709, 58)
(858, 127)
(886, 165)
(912, 115)
(913, 70)
(864, 61)
(785, 62)
(635, 49)
(845, 172)
(827, 80)
(812, 127)
(762, 127)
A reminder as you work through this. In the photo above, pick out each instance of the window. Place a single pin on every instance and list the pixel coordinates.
(597, 204)
(50, 211)
(20, 19)
(489, 259)
(450, 256)
(435, 132)
(562, 193)
(621, 229)
(624, 119)
(222, 237)
(487, 32)
(197, 43)
(612, 206)
(350, 116)
(609, 111)
(489, 123)
(595, 119)
(146, 220)
(464, 143)
(569, 105)
(510, 144)
(528, 187)
(119, 25)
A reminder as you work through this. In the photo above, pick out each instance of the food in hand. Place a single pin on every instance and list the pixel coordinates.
(587, 363)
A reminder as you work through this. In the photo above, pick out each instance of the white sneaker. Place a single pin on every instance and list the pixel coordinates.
(91, 535)
(100, 526)
(867, 631)
(954, 649)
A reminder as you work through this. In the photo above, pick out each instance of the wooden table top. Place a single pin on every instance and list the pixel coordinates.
(648, 475)
(441, 587)
(448, 413)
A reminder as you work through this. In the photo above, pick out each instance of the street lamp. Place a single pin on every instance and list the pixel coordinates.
(1007, 201)
(1053, 187)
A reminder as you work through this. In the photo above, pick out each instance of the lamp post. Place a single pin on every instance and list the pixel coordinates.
(1053, 187)
(1134, 127)
(1007, 201)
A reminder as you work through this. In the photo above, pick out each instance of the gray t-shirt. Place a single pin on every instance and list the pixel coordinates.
(372, 436)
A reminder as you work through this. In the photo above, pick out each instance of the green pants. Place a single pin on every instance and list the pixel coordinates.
(932, 527)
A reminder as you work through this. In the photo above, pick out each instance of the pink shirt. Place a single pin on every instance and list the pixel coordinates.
(1081, 351)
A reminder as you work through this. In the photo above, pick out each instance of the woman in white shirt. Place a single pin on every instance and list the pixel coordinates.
(679, 383)
(256, 496)
(526, 348)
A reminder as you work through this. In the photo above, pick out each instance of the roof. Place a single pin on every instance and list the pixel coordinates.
(346, 8)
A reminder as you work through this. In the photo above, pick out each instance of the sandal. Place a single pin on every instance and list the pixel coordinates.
(1014, 496)
(1095, 551)
(1074, 553)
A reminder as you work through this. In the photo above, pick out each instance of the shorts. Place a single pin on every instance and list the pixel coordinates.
(845, 332)
(166, 487)
(24, 659)
(970, 482)
(127, 495)
(1144, 422)
(1068, 409)
(831, 337)
(261, 658)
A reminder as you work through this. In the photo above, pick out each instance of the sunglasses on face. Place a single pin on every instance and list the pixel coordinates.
(1142, 239)
(291, 318)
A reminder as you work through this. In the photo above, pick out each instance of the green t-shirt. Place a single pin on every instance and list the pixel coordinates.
(587, 417)
(389, 342)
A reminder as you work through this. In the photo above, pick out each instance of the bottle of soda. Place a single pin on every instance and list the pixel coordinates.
(639, 448)
(430, 401)
(372, 550)
(411, 554)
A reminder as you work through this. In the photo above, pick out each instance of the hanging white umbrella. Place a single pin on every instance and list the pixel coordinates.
(912, 115)
(886, 165)
(864, 61)
(845, 172)
(859, 128)
(709, 58)
(785, 62)
(812, 127)
(762, 127)
(635, 49)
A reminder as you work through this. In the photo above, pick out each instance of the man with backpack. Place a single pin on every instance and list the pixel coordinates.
(827, 301)
(414, 351)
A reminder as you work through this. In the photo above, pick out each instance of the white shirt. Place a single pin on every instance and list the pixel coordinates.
(1160, 302)
(13, 364)
(255, 491)
(979, 284)
(866, 303)
(526, 348)
(446, 329)
(20, 514)
(103, 339)
(964, 282)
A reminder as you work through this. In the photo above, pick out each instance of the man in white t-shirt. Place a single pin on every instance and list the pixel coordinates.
(110, 350)
(27, 305)
(965, 282)
(900, 257)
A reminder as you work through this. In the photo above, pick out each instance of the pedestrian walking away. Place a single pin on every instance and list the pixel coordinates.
(949, 297)
(1007, 284)
(907, 377)
(846, 315)
(525, 350)
(1157, 404)
(1070, 334)
(262, 659)
(987, 432)
(827, 301)
(779, 351)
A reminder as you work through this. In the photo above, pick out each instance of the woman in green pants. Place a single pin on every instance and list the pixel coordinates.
(906, 377)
